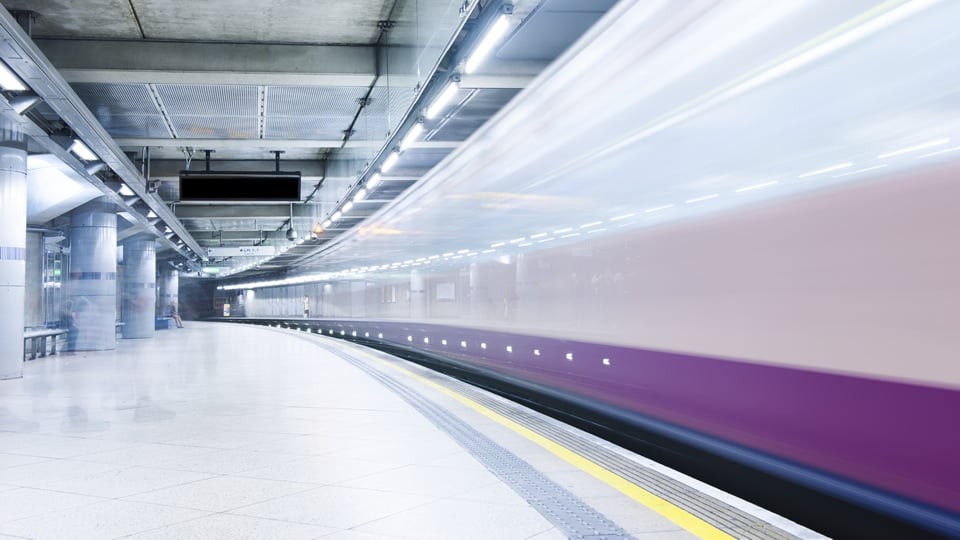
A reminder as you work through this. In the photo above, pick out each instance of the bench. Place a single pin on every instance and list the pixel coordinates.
(36, 340)
(162, 323)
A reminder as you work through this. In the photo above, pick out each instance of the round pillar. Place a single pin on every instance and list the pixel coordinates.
(92, 288)
(169, 290)
(138, 287)
(13, 242)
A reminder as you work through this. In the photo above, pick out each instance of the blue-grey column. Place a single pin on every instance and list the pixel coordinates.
(92, 287)
(13, 242)
(138, 287)
(169, 290)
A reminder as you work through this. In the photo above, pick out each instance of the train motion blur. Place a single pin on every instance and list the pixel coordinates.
(745, 239)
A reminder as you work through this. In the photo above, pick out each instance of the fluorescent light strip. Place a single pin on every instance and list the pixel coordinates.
(858, 171)
(442, 100)
(347, 207)
(411, 135)
(525, 244)
(571, 235)
(9, 80)
(625, 216)
(938, 152)
(486, 45)
(701, 199)
(374, 181)
(517, 240)
(498, 244)
(657, 208)
(336, 216)
(82, 151)
(390, 161)
(551, 239)
(361, 194)
(591, 224)
(561, 231)
(831, 168)
(591, 231)
(538, 235)
(757, 186)
(921, 146)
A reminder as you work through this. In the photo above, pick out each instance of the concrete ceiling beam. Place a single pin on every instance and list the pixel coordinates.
(242, 144)
(169, 62)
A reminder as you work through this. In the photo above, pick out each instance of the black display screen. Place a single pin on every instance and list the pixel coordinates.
(239, 186)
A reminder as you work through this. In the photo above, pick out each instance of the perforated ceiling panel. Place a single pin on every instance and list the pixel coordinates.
(116, 98)
(134, 125)
(220, 127)
(125, 110)
(386, 109)
(306, 127)
(209, 99)
(313, 100)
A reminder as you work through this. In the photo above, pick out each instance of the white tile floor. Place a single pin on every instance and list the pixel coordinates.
(226, 431)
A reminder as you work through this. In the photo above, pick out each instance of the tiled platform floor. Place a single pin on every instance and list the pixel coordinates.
(228, 431)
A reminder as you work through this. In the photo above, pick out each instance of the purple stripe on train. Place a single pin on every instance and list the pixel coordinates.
(900, 437)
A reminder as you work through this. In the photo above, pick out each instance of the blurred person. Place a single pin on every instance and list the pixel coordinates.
(174, 314)
(68, 322)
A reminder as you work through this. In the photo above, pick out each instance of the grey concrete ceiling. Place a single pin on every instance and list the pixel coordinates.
(243, 21)
(245, 77)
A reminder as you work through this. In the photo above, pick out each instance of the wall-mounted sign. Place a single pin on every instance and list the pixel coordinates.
(241, 251)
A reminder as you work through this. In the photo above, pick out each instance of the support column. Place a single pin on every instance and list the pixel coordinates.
(13, 242)
(33, 314)
(169, 290)
(139, 287)
(92, 288)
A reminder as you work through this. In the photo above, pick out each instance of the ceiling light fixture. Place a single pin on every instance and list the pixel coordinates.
(486, 45)
(390, 161)
(361, 193)
(443, 100)
(374, 181)
(126, 191)
(412, 135)
(82, 151)
(9, 80)
(346, 207)
(22, 104)
(336, 216)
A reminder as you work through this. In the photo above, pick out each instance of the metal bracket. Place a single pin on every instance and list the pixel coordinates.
(386, 26)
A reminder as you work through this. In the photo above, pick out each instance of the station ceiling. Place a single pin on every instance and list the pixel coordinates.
(326, 82)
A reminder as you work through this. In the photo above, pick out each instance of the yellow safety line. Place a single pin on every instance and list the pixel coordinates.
(674, 513)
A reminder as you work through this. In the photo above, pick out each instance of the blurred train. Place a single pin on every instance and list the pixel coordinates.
(741, 239)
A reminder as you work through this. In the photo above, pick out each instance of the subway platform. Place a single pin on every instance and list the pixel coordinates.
(235, 431)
